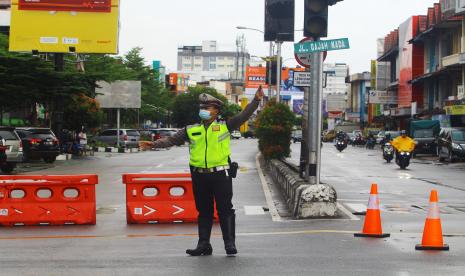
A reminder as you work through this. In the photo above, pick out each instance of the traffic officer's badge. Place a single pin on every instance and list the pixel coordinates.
(216, 128)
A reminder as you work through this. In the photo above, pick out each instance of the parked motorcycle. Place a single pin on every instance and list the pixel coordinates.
(388, 152)
(403, 159)
(341, 145)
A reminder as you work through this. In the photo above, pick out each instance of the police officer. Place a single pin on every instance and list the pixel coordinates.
(210, 168)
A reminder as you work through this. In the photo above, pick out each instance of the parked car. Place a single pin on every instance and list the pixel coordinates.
(236, 134)
(39, 143)
(13, 150)
(296, 136)
(3, 148)
(249, 134)
(159, 133)
(128, 138)
(451, 144)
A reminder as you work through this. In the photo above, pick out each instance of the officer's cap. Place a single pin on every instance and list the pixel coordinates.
(207, 100)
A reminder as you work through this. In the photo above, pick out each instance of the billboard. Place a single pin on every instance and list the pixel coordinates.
(255, 76)
(63, 26)
(119, 94)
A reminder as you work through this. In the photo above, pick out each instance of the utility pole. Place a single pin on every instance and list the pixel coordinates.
(304, 153)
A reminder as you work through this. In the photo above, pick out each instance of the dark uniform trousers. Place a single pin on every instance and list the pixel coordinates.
(208, 189)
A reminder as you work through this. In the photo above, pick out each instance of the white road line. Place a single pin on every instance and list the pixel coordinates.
(345, 211)
(159, 166)
(269, 199)
(357, 207)
(253, 210)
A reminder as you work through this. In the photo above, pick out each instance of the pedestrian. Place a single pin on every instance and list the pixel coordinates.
(82, 137)
(210, 166)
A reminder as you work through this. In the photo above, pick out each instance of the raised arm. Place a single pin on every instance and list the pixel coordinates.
(178, 139)
(238, 120)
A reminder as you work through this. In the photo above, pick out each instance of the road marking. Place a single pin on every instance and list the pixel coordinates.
(159, 166)
(345, 211)
(357, 208)
(269, 199)
(254, 210)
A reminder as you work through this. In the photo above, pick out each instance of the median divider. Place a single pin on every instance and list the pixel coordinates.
(159, 198)
(47, 200)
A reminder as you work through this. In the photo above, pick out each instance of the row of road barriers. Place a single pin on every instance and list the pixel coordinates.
(71, 199)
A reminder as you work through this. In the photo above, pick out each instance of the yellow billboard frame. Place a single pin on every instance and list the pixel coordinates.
(64, 31)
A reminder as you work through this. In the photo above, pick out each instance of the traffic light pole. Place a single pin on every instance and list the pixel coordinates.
(278, 75)
(270, 87)
(315, 119)
(304, 153)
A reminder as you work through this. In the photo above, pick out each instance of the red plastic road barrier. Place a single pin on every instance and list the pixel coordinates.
(47, 200)
(159, 198)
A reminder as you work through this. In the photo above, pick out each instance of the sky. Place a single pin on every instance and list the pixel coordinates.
(160, 26)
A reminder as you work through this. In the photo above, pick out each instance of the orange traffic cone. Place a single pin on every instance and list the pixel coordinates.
(372, 227)
(432, 234)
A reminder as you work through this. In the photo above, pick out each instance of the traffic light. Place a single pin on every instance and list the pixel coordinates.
(273, 63)
(279, 20)
(316, 18)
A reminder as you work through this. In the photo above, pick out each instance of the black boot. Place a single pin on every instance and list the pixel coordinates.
(203, 246)
(228, 227)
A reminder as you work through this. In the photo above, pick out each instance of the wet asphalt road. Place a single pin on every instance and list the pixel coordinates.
(266, 247)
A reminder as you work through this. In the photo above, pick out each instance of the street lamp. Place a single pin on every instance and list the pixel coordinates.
(271, 54)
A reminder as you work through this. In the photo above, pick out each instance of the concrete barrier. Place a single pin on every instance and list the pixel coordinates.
(304, 200)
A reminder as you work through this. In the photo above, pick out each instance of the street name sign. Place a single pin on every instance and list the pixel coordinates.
(302, 79)
(321, 46)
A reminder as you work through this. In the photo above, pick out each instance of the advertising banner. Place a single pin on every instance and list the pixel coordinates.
(64, 26)
(255, 76)
(298, 107)
(382, 97)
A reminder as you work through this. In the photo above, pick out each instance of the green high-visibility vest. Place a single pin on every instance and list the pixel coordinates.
(209, 148)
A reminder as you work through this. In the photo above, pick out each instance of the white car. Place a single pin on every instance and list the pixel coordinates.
(236, 134)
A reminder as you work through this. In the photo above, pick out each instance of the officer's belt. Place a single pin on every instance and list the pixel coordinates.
(210, 170)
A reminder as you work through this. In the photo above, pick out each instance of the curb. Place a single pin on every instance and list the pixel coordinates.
(115, 150)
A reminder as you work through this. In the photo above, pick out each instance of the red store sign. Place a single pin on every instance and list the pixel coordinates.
(66, 5)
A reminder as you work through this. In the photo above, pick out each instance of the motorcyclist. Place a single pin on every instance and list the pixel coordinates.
(341, 136)
(403, 143)
(386, 139)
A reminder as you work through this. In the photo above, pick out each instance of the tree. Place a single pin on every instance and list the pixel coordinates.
(28, 81)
